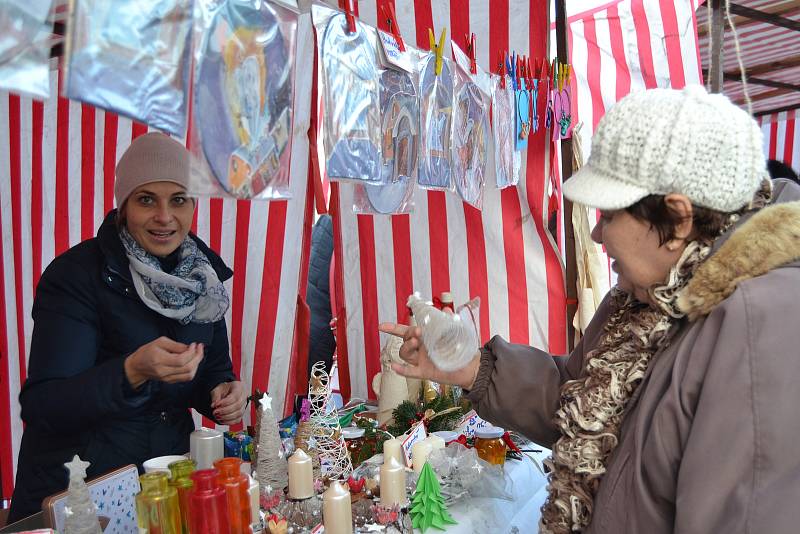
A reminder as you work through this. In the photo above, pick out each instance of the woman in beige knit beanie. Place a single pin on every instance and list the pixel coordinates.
(677, 411)
(129, 333)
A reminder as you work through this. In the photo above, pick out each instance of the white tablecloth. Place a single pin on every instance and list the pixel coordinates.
(499, 516)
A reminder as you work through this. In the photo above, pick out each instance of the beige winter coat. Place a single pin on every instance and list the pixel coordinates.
(711, 438)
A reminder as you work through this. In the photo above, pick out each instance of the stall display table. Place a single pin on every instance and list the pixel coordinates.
(520, 515)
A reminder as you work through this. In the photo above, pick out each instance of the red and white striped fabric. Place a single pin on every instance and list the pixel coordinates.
(503, 254)
(57, 164)
(627, 45)
(782, 137)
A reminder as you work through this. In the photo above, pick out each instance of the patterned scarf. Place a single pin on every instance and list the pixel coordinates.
(191, 293)
(592, 407)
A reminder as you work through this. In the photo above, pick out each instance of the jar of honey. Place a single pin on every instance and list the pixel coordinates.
(354, 438)
(490, 445)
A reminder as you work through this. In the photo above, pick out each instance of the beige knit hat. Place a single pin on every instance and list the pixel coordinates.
(153, 157)
(665, 141)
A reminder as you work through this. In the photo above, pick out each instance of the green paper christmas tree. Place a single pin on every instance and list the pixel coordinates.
(427, 505)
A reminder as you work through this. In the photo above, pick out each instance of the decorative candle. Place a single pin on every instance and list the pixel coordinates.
(393, 448)
(393, 483)
(337, 514)
(206, 446)
(436, 441)
(419, 454)
(301, 476)
(255, 505)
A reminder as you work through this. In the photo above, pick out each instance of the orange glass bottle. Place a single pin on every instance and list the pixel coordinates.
(237, 490)
(490, 445)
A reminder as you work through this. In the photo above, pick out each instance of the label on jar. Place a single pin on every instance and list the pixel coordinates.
(470, 423)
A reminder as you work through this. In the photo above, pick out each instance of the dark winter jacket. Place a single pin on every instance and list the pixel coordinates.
(76, 399)
(321, 344)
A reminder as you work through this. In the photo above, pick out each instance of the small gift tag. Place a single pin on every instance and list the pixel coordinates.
(417, 433)
(392, 54)
(470, 423)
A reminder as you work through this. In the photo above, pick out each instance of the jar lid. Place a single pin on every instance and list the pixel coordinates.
(489, 432)
(352, 432)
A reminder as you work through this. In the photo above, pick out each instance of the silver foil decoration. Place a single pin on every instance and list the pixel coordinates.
(25, 47)
(132, 57)
(242, 113)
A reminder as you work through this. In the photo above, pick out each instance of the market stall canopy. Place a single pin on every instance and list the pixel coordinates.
(770, 48)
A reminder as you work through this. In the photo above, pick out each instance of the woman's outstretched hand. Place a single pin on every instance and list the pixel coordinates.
(419, 365)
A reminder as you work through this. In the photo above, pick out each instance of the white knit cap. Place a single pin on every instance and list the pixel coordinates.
(666, 141)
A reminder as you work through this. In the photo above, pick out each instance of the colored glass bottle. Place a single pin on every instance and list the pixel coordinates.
(181, 481)
(208, 504)
(237, 490)
(157, 507)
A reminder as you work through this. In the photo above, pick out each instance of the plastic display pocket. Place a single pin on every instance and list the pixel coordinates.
(507, 160)
(349, 92)
(471, 134)
(25, 47)
(400, 130)
(436, 117)
(132, 58)
(242, 113)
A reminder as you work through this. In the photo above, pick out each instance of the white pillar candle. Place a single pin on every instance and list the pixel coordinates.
(393, 448)
(255, 505)
(301, 476)
(419, 454)
(393, 483)
(337, 513)
(435, 441)
(206, 446)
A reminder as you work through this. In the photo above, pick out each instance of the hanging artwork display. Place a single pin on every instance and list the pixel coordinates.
(436, 115)
(471, 134)
(507, 160)
(562, 102)
(350, 96)
(132, 58)
(242, 111)
(25, 47)
(400, 129)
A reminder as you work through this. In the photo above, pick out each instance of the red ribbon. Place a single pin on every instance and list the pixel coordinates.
(510, 443)
(462, 439)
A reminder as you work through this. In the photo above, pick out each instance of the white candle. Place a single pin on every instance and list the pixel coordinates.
(301, 476)
(393, 448)
(337, 514)
(419, 454)
(436, 442)
(255, 505)
(393, 483)
(206, 446)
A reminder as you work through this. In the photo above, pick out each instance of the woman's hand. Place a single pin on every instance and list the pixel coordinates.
(413, 352)
(164, 360)
(228, 401)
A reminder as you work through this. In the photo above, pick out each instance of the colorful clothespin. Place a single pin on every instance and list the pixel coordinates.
(437, 49)
(529, 72)
(347, 7)
(511, 65)
(391, 19)
(501, 68)
(473, 65)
